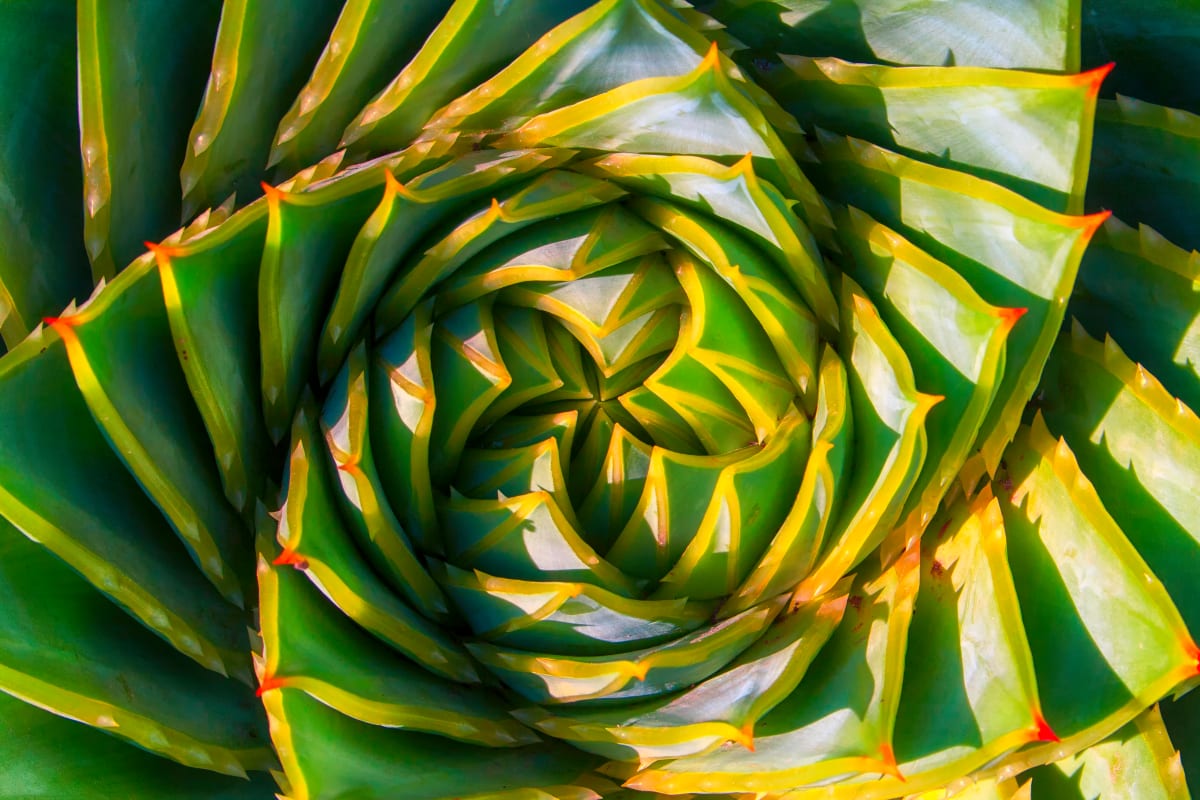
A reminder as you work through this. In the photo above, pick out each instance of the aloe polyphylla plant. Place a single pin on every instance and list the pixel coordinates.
(620, 399)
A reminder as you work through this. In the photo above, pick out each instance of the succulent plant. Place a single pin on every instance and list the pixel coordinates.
(623, 399)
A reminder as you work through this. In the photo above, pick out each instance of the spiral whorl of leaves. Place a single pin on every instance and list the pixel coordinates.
(594, 399)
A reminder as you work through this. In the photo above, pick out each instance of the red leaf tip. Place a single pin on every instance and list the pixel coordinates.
(887, 760)
(291, 558)
(1042, 732)
(352, 467)
(1093, 78)
(1010, 316)
(273, 193)
(1091, 223)
(161, 251)
(267, 684)
(1193, 653)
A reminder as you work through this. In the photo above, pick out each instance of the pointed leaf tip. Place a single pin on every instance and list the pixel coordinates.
(636, 670)
(162, 252)
(1042, 732)
(291, 558)
(887, 760)
(1093, 78)
(1091, 223)
(269, 683)
(1010, 316)
(63, 322)
(1193, 653)
(392, 185)
(745, 736)
(926, 402)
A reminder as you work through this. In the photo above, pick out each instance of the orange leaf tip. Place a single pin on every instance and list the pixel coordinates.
(635, 669)
(392, 184)
(1091, 223)
(273, 193)
(1193, 653)
(162, 252)
(887, 760)
(1009, 316)
(1093, 78)
(350, 467)
(268, 684)
(291, 558)
(712, 58)
(1042, 732)
(61, 323)
(745, 736)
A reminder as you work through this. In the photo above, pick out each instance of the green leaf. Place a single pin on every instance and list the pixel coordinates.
(1028, 131)
(550, 195)
(1140, 288)
(569, 251)
(526, 537)
(838, 720)
(467, 376)
(525, 351)
(890, 442)
(1139, 447)
(1183, 725)
(264, 53)
(106, 530)
(1106, 639)
(640, 39)
(1146, 166)
(1153, 44)
(970, 692)
(309, 645)
(543, 678)
(346, 424)
(371, 43)
(703, 113)
(45, 757)
(309, 235)
(751, 500)
(720, 709)
(776, 308)
(1014, 253)
(670, 510)
(326, 754)
(1024, 34)
(1136, 761)
(565, 618)
(120, 350)
(315, 541)
(402, 407)
(65, 648)
(406, 213)
(791, 554)
(955, 343)
(608, 503)
(210, 289)
(722, 375)
(141, 73)
(737, 196)
(474, 39)
(43, 264)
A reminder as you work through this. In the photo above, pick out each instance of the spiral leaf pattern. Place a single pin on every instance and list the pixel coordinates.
(577, 400)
